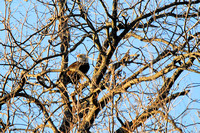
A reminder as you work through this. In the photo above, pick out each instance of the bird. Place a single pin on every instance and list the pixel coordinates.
(73, 76)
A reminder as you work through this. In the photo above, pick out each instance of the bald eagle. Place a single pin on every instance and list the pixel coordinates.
(73, 77)
(80, 65)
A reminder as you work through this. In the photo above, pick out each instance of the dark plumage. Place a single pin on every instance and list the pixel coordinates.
(73, 77)
(81, 65)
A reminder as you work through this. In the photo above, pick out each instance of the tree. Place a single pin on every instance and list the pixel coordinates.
(142, 54)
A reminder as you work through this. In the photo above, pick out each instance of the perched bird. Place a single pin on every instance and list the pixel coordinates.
(72, 76)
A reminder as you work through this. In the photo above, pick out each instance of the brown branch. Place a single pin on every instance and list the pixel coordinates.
(105, 8)
(139, 120)
(42, 107)
(130, 81)
(161, 99)
(143, 16)
(18, 89)
(89, 23)
(65, 39)
(155, 105)
(17, 93)
(3, 126)
(169, 120)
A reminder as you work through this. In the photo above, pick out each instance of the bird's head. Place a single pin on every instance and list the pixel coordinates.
(82, 58)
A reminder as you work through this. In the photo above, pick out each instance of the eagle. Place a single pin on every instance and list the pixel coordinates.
(72, 74)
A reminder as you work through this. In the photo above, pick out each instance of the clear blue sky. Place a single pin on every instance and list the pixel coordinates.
(19, 9)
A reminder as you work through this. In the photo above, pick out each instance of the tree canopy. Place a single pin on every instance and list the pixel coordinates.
(144, 66)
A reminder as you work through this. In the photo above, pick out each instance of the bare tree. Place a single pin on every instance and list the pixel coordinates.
(141, 55)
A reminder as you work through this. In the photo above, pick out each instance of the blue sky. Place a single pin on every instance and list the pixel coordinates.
(19, 11)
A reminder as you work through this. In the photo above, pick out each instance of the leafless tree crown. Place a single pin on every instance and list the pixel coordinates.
(144, 66)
